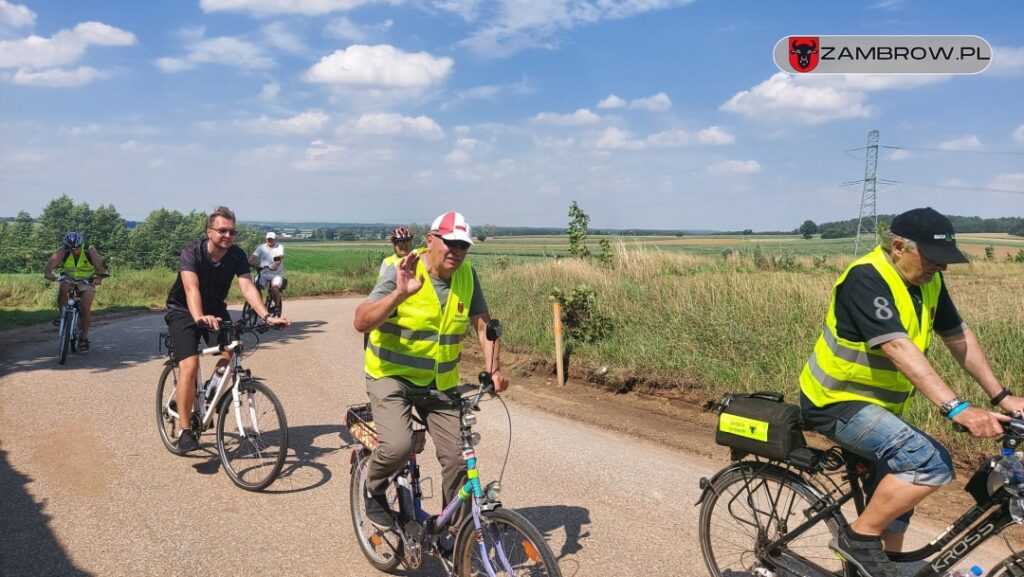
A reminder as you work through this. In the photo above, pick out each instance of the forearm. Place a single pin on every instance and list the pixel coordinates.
(910, 361)
(195, 303)
(372, 314)
(967, 351)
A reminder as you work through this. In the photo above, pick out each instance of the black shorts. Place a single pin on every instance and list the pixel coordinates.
(185, 333)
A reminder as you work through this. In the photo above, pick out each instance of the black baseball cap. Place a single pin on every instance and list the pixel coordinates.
(932, 232)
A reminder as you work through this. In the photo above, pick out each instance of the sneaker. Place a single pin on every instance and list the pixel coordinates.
(446, 544)
(865, 554)
(187, 441)
(83, 345)
(377, 510)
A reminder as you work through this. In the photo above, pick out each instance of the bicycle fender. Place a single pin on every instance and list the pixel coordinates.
(706, 484)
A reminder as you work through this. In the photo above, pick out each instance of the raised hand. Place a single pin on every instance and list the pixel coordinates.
(406, 281)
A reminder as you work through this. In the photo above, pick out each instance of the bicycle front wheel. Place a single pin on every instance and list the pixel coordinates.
(252, 438)
(166, 407)
(248, 316)
(1009, 567)
(65, 336)
(750, 506)
(382, 548)
(511, 546)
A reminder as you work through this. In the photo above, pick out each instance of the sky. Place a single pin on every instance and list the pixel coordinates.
(650, 114)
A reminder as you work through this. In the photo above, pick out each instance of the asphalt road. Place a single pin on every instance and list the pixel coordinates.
(88, 489)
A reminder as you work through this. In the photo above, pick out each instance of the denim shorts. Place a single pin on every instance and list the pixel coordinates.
(887, 442)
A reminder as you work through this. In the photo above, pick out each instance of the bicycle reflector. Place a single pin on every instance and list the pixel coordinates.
(531, 551)
(493, 490)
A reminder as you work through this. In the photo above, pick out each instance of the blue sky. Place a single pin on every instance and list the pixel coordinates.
(649, 113)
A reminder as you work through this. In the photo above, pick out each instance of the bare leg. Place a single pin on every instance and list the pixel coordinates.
(893, 497)
(86, 308)
(275, 291)
(186, 391)
(62, 296)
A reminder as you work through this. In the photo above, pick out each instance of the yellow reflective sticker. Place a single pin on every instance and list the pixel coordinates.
(743, 427)
(472, 474)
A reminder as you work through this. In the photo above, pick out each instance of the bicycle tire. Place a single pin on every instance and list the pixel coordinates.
(508, 532)
(248, 316)
(382, 548)
(753, 504)
(253, 458)
(164, 421)
(1012, 566)
(76, 330)
(65, 337)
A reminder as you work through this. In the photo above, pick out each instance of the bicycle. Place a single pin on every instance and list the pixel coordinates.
(490, 540)
(70, 321)
(770, 517)
(248, 314)
(251, 428)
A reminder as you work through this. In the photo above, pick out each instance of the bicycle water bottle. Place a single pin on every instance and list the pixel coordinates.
(211, 386)
(1012, 468)
(974, 572)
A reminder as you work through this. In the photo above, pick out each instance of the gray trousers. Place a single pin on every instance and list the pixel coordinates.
(392, 415)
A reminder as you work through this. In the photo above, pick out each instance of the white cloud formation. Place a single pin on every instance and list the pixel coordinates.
(966, 142)
(1013, 181)
(581, 117)
(900, 154)
(463, 151)
(308, 122)
(223, 50)
(56, 77)
(64, 47)
(676, 137)
(612, 101)
(734, 167)
(1018, 134)
(16, 15)
(394, 124)
(270, 91)
(381, 65)
(1007, 61)
(302, 7)
(657, 103)
(278, 34)
(467, 9)
(613, 138)
(714, 135)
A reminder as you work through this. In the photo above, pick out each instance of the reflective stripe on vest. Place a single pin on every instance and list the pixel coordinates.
(841, 370)
(421, 342)
(80, 268)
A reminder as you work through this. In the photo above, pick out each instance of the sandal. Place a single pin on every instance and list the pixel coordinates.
(83, 345)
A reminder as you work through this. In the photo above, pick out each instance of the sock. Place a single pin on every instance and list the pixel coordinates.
(858, 537)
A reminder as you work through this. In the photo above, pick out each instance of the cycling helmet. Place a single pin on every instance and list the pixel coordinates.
(72, 240)
(400, 233)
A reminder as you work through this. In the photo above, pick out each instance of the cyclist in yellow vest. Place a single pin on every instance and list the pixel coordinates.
(416, 317)
(401, 242)
(80, 261)
(869, 362)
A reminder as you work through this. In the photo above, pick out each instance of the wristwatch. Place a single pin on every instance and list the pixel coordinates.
(1002, 395)
(949, 405)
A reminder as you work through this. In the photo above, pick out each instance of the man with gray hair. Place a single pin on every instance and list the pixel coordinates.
(870, 361)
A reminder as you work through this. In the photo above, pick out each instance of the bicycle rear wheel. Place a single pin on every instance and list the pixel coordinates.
(253, 450)
(511, 547)
(65, 336)
(382, 548)
(166, 406)
(748, 507)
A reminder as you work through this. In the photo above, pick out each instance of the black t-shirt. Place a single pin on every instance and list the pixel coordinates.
(866, 309)
(214, 277)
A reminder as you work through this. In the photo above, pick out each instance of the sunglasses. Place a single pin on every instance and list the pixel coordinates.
(459, 245)
(226, 231)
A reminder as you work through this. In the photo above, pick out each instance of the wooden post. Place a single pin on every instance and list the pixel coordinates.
(557, 309)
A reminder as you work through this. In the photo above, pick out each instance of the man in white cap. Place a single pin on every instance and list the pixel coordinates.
(416, 317)
(270, 257)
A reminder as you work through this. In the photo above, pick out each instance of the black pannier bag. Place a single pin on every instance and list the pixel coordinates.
(760, 424)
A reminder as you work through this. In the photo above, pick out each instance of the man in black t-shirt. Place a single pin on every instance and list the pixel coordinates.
(205, 272)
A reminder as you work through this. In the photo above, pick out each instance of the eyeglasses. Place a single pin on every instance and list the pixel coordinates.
(459, 245)
(226, 231)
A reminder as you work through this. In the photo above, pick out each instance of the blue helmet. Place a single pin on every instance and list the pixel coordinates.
(72, 240)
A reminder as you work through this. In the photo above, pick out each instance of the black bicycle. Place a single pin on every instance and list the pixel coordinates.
(249, 316)
(70, 321)
(769, 517)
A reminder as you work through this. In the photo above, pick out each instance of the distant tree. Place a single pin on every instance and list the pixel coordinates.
(58, 217)
(578, 222)
(158, 241)
(808, 229)
(109, 234)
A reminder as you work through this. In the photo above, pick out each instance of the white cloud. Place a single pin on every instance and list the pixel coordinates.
(270, 91)
(581, 117)
(277, 34)
(1013, 181)
(91, 128)
(1007, 61)
(381, 65)
(1018, 134)
(463, 150)
(392, 124)
(611, 101)
(308, 122)
(657, 103)
(966, 142)
(617, 139)
(734, 167)
(345, 29)
(28, 156)
(223, 50)
(16, 15)
(900, 154)
(303, 7)
(715, 135)
(56, 77)
(489, 92)
(781, 97)
(467, 9)
(64, 47)
(135, 146)
(676, 137)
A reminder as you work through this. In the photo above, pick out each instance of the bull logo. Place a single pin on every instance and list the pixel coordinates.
(803, 53)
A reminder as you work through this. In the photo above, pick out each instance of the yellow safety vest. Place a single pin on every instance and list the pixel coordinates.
(420, 342)
(78, 268)
(841, 370)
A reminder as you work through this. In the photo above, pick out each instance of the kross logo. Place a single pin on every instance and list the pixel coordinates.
(803, 52)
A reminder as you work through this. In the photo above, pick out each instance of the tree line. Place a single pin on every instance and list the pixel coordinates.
(962, 224)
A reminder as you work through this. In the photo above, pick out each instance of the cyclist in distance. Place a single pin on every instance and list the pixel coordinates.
(79, 260)
(416, 317)
(205, 272)
(869, 363)
(401, 241)
(271, 255)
